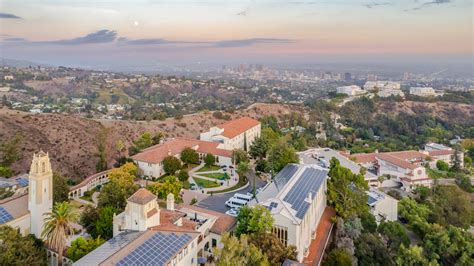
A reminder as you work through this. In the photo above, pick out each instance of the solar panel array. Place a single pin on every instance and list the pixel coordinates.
(372, 200)
(4, 216)
(22, 181)
(157, 250)
(309, 181)
(285, 175)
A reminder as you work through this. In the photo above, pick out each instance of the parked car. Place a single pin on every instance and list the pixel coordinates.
(232, 212)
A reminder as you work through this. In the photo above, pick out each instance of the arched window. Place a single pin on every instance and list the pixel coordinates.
(43, 167)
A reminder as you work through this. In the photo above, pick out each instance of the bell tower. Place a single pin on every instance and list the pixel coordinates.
(40, 191)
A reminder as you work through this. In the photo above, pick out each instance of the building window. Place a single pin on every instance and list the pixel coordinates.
(214, 243)
(282, 233)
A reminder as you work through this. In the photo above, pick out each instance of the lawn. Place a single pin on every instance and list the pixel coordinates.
(434, 173)
(209, 168)
(220, 176)
(242, 182)
(205, 183)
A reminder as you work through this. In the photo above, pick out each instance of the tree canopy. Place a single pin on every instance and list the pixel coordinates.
(82, 246)
(254, 220)
(281, 154)
(16, 249)
(189, 156)
(60, 188)
(239, 252)
(170, 184)
(346, 191)
(171, 164)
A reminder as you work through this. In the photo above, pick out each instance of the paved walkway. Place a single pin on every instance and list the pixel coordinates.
(234, 178)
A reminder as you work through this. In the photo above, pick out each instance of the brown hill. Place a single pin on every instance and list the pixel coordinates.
(72, 141)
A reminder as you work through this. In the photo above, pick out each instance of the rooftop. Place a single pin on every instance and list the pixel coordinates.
(157, 153)
(291, 189)
(142, 196)
(13, 208)
(238, 126)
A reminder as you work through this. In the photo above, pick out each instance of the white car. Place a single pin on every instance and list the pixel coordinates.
(232, 212)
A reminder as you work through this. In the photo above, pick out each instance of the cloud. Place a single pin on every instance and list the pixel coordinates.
(248, 42)
(430, 3)
(15, 39)
(9, 16)
(151, 41)
(376, 4)
(101, 36)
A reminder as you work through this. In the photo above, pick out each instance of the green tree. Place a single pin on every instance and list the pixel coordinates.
(88, 218)
(123, 176)
(262, 166)
(242, 168)
(270, 136)
(270, 121)
(239, 252)
(16, 249)
(82, 246)
(371, 250)
(412, 256)
(170, 184)
(189, 156)
(9, 151)
(60, 188)
(346, 191)
(115, 195)
(394, 234)
(280, 155)
(254, 220)
(101, 164)
(457, 159)
(171, 164)
(273, 248)
(452, 206)
(209, 160)
(183, 175)
(442, 165)
(144, 141)
(157, 138)
(5, 171)
(259, 148)
(104, 222)
(240, 156)
(58, 226)
(338, 257)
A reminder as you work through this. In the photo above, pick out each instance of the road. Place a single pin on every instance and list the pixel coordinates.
(217, 202)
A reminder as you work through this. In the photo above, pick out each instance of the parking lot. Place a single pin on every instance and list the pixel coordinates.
(216, 202)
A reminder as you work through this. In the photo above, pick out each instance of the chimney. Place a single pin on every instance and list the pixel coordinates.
(169, 152)
(170, 202)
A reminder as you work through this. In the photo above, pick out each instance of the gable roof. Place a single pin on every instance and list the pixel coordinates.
(142, 196)
(157, 153)
(238, 126)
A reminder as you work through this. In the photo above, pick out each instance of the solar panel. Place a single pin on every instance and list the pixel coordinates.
(309, 181)
(372, 200)
(285, 175)
(4, 216)
(158, 249)
(22, 181)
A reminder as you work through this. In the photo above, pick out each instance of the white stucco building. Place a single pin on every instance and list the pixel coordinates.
(440, 152)
(404, 167)
(144, 233)
(423, 91)
(296, 199)
(26, 211)
(235, 134)
(352, 90)
(150, 160)
(382, 206)
(390, 92)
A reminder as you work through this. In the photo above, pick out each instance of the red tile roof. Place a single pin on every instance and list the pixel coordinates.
(158, 153)
(169, 218)
(396, 161)
(142, 196)
(323, 231)
(238, 126)
(440, 152)
(363, 157)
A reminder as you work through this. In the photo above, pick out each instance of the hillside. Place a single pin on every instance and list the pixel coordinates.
(71, 141)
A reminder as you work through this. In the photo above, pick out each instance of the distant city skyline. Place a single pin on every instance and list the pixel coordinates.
(133, 32)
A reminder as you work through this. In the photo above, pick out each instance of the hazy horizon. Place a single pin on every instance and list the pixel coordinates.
(124, 34)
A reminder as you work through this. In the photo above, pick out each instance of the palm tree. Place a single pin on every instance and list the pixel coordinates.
(58, 226)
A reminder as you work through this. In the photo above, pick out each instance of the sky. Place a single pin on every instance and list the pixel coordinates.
(101, 32)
